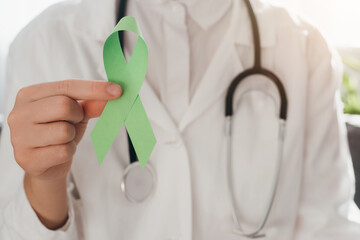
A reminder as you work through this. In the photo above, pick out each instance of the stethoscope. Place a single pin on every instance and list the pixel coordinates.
(138, 184)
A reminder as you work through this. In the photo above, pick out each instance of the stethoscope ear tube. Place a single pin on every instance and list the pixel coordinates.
(121, 13)
(281, 138)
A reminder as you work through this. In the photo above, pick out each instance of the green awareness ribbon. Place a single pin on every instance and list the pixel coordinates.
(128, 108)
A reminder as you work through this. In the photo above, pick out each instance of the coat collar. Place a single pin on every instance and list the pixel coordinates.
(97, 18)
(204, 12)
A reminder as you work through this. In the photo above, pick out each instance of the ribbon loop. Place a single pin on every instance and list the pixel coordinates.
(128, 108)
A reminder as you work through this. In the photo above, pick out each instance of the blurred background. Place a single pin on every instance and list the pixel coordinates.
(14, 15)
(339, 20)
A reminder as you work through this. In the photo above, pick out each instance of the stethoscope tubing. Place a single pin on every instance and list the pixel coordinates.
(257, 69)
(251, 72)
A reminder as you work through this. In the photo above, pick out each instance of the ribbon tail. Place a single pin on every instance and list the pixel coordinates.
(140, 132)
(106, 129)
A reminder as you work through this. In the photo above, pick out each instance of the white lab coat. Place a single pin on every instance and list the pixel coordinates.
(315, 193)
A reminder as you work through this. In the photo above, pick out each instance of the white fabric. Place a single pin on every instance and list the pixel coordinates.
(191, 199)
(184, 44)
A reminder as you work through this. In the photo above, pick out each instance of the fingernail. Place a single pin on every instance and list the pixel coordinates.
(114, 89)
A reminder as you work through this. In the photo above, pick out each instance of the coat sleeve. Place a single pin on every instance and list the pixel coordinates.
(326, 209)
(26, 65)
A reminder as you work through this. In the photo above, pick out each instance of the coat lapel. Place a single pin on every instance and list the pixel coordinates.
(217, 78)
(226, 64)
(158, 115)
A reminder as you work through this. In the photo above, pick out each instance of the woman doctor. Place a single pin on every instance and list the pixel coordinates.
(53, 188)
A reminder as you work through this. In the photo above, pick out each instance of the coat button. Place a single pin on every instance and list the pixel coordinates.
(174, 142)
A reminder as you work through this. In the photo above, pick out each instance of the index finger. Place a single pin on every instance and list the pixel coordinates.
(75, 89)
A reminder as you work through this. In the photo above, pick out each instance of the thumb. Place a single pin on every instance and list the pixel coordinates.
(92, 109)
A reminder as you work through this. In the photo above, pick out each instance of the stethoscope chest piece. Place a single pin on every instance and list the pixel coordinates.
(138, 183)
